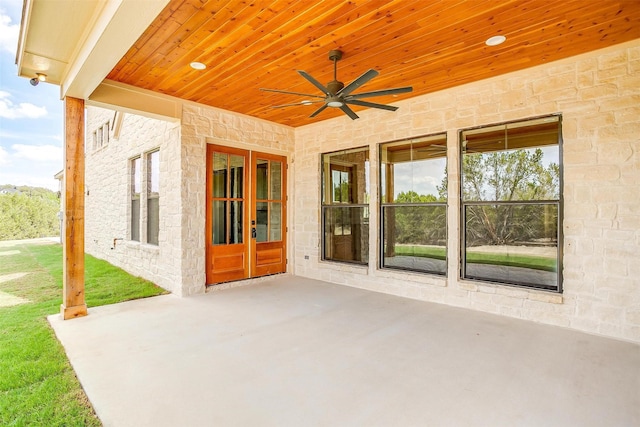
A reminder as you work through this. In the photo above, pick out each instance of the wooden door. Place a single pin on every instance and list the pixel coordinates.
(269, 213)
(227, 207)
(246, 214)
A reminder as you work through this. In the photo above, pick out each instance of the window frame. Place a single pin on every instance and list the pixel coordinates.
(133, 196)
(559, 202)
(382, 204)
(101, 136)
(330, 205)
(151, 195)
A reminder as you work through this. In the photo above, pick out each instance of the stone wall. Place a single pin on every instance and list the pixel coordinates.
(177, 263)
(108, 194)
(598, 95)
(200, 126)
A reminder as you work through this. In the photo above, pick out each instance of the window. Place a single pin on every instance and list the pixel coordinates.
(105, 133)
(136, 184)
(413, 198)
(511, 210)
(345, 206)
(145, 211)
(101, 136)
(153, 198)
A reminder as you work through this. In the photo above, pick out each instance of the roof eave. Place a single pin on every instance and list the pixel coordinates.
(77, 44)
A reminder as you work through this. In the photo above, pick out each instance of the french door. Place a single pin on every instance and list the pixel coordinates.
(246, 214)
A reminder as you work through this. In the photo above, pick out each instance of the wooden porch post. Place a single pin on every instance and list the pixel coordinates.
(73, 304)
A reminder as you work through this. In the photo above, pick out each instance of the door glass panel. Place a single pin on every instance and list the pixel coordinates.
(335, 181)
(276, 181)
(262, 179)
(341, 184)
(219, 175)
(237, 176)
(275, 222)
(236, 218)
(262, 222)
(219, 219)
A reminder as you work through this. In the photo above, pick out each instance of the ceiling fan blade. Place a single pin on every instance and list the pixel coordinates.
(349, 112)
(314, 82)
(297, 104)
(357, 82)
(372, 105)
(380, 93)
(318, 111)
(290, 93)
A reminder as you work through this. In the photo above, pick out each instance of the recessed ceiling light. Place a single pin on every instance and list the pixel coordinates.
(495, 40)
(198, 66)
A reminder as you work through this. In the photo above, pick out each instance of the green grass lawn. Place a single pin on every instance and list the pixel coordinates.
(421, 251)
(512, 260)
(37, 384)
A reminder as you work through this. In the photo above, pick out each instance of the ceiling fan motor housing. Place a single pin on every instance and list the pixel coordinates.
(334, 87)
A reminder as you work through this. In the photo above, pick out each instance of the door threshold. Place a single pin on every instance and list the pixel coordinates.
(238, 283)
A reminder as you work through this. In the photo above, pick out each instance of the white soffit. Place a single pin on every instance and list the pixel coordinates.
(130, 99)
(77, 43)
(48, 35)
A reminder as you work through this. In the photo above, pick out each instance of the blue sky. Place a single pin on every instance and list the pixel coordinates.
(31, 118)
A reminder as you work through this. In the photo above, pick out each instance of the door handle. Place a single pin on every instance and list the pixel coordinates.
(254, 233)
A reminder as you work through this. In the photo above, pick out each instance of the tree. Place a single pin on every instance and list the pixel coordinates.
(508, 176)
(415, 225)
(28, 212)
(413, 197)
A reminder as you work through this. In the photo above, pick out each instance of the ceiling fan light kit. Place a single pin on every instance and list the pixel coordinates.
(337, 95)
(334, 102)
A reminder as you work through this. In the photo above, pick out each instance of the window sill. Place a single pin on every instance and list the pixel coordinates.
(412, 276)
(142, 246)
(541, 295)
(345, 266)
(132, 243)
(150, 248)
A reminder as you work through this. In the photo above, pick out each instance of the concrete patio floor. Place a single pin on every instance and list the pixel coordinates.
(299, 352)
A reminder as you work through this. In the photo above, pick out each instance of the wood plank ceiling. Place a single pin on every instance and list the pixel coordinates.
(430, 45)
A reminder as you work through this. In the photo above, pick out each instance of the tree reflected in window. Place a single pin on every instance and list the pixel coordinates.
(511, 203)
(414, 210)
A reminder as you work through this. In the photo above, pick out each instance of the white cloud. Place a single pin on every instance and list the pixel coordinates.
(8, 33)
(28, 136)
(9, 110)
(4, 156)
(426, 181)
(33, 165)
(423, 177)
(38, 153)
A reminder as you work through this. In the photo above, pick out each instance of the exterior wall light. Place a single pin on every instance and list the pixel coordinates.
(38, 78)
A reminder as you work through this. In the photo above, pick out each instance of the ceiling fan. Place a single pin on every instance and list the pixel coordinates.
(337, 95)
